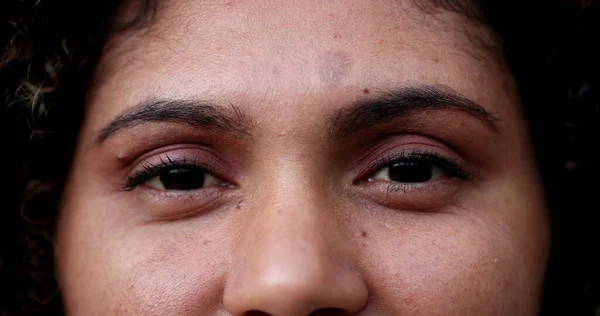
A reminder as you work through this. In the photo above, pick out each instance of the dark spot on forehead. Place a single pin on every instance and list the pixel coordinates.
(333, 66)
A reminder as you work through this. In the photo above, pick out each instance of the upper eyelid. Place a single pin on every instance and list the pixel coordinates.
(382, 143)
(130, 160)
(176, 162)
(198, 154)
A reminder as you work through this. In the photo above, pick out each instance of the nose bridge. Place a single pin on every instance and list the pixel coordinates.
(293, 205)
(290, 233)
(286, 261)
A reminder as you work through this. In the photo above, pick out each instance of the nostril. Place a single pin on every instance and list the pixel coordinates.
(329, 312)
(256, 313)
(320, 312)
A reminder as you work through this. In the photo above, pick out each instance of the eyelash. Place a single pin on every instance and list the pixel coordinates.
(453, 169)
(150, 171)
(449, 165)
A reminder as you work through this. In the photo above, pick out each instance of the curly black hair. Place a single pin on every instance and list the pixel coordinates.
(51, 48)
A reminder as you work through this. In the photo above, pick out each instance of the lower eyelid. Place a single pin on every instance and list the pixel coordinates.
(420, 197)
(404, 187)
(173, 205)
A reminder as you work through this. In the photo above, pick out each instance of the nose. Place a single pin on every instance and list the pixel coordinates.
(290, 261)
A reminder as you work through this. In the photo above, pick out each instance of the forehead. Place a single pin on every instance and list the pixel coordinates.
(270, 48)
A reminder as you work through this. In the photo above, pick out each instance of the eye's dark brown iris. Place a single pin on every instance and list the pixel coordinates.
(411, 171)
(182, 179)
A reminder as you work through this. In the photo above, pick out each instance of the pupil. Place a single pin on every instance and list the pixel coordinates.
(411, 171)
(183, 179)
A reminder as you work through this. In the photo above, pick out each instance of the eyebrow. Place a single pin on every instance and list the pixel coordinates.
(386, 106)
(200, 114)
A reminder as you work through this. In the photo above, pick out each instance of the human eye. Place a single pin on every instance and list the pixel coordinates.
(416, 168)
(174, 175)
(414, 178)
(177, 182)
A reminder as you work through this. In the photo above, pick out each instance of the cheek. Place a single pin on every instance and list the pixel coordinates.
(176, 276)
(445, 264)
(154, 269)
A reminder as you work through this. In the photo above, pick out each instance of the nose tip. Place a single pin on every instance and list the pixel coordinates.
(289, 266)
(296, 293)
(321, 312)
(294, 300)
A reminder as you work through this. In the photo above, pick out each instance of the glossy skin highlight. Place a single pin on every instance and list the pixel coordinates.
(295, 221)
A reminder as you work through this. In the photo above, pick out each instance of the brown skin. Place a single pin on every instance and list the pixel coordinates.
(290, 225)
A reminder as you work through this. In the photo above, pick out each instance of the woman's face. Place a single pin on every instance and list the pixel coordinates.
(303, 158)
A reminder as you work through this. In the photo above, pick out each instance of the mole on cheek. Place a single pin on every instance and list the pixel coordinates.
(334, 66)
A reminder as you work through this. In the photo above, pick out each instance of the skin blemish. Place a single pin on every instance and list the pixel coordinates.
(121, 157)
(366, 91)
(333, 66)
(337, 35)
(230, 4)
(363, 233)
(276, 71)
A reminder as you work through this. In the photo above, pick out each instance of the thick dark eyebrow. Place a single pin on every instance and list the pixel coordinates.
(388, 105)
(200, 114)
